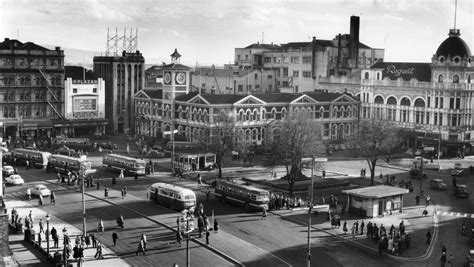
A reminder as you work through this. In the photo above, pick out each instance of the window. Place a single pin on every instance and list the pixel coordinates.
(240, 88)
(249, 87)
(94, 90)
(429, 101)
(238, 57)
(451, 103)
(296, 73)
(458, 103)
(74, 90)
(456, 78)
(307, 74)
(441, 100)
(295, 60)
(256, 76)
(440, 78)
(366, 76)
(269, 77)
(306, 60)
(267, 59)
(246, 57)
(285, 72)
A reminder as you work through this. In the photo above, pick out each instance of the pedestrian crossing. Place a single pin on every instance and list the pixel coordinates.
(455, 214)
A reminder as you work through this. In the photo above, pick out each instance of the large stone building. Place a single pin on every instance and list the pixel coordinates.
(84, 102)
(31, 89)
(432, 102)
(297, 66)
(124, 75)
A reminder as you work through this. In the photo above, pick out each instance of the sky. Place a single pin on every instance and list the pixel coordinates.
(206, 32)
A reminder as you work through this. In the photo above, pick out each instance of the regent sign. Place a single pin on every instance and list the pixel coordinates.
(393, 70)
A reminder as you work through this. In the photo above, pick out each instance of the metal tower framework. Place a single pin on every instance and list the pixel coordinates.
(116, 44)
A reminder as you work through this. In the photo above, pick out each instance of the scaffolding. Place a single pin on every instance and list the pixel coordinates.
(116, 43)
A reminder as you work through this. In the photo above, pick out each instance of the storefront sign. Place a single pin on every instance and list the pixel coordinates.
(84, 81)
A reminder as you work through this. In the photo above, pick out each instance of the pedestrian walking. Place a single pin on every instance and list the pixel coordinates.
(356, 224)
(31, 217)
(199, 179)
(362, 224)
(344, 227)
(87, 240)
(94, 240)
(141, 248)
(264, 213)
(98, 253)
(40, 199)
(52, 197)
(207, 237)
(122, 192)
(125, 190)
(208, 194)
(428, 237)
(100, 226)
(39, 239)
(59, 177)
(106, 192)
(417, 199)
(143, 238)
(27, 163)
(28, 194)
(80, 256)
(41, 226)
(54, 234)
(216, 226)
(114, 237)
(178, 238)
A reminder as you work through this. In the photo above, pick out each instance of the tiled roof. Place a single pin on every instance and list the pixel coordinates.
(277, 97)
(223, 99)
(405, 70)
(77, 73)
(155, 94)
(186, 97)
(378, 191)
(264, 46)
(8, 43)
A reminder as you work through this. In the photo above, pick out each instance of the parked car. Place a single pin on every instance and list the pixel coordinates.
(108, 146)
(14, 179)
(461, 191)
(40, 189)
(438, 184)
(8, 170)
(458, 170)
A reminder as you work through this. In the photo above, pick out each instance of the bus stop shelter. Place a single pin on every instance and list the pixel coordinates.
(375, 201)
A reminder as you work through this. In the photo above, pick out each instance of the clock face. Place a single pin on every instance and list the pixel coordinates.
(181, 78)
(167, 78)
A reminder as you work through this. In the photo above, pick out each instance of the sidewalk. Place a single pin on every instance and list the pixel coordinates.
(24, 254)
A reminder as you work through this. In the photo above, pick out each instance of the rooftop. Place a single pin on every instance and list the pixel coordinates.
(378, 191)
(78, 73)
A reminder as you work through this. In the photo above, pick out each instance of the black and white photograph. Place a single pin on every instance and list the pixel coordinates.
(236, 133)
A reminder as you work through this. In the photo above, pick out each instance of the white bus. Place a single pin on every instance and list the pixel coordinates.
(128, 165)
(184, 162)
(247, 196)
(172, 196)
(64, 164)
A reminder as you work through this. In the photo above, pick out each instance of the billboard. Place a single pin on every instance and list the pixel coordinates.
(85, 104)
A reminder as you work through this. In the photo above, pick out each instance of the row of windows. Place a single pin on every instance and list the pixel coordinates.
(285, 59)
(455, 78)
(454, 102)
(237, 191)
(25, 111)
(28, 81)
(420, 117)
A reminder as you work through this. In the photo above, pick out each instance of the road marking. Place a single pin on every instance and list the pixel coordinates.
(445, 213)
(451, 214)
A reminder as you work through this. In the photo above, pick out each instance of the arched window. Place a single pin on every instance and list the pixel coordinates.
(469, 79)
(391, 101)
(378, 78)
(455, 78)
(378, 100)
(366, 76)
(440, 78)
(420, 103)
(405, 102)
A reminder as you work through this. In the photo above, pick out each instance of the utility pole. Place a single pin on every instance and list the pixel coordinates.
(309, 212)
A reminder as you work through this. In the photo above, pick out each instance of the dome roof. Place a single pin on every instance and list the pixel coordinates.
(453, 46)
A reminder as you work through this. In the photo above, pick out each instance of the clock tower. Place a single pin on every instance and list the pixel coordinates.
(176, 78)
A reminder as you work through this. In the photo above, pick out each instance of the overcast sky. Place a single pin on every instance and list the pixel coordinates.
(207, 31)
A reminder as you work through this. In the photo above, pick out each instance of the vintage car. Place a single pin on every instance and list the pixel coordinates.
(438, 184)
(40, 190)
(461, 191)
(14, 179)
(458, 170)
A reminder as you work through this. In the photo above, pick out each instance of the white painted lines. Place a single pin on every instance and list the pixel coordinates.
(454, 214)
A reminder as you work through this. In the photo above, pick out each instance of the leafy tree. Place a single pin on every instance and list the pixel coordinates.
(373, 141)
(221, 139)
(300, 137)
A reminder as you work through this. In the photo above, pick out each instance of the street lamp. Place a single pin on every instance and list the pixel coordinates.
(47, 233)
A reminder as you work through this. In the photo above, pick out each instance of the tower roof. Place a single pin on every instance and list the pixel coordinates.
(453, 46)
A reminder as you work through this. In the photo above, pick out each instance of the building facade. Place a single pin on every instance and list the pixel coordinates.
(84, 102)
(298, 66)
(431, 102)
(154, 77)
(124, 76)
(31, 89)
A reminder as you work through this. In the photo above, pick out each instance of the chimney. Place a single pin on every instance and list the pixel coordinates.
(313, 59)
(57, 48)
(354, 41)
(7, 39)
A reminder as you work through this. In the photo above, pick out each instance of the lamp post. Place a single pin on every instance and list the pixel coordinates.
(65, 243)
(47, 233)
(83, 176)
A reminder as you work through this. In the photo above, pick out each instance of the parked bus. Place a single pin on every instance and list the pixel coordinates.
(184, 162)
(249, 197)
(64, 164)
(73, 143)
(172, 196)
(38, 159)
(128, 165)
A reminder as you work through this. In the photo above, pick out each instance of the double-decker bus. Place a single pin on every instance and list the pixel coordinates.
(184, 162)
(172, 196)
(237, 192)
(64, 164)
(128, 165)
(37, 158)
(73, 143)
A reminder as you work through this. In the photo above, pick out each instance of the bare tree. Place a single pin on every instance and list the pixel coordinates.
(222, 136)
(374, 140)
(300, 137)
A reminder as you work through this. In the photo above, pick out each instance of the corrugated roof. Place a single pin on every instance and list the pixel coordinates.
(405, 70)
(77, 73)
(378, 191)
(156, 94)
